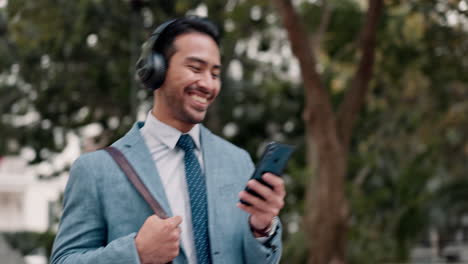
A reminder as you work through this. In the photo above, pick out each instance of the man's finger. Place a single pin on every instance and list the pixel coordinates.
(154, 218)
(247, 208)
(275, 181)
(259, 203)
(175, 221)
(263, 190)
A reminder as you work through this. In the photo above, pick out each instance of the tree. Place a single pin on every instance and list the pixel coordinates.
(328, 134)
(67, 66)
(408, 156)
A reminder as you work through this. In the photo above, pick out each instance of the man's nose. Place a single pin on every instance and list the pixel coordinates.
(207, 81)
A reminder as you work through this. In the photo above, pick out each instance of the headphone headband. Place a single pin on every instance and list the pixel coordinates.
(162, 27)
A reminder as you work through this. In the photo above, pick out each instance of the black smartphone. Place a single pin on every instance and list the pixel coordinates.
(274, 160)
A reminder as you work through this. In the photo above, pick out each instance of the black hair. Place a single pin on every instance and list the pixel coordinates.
(164, 44)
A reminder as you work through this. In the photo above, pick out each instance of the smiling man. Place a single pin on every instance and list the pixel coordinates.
(196, 176)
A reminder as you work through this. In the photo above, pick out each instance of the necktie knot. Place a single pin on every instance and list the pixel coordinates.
(186, 143)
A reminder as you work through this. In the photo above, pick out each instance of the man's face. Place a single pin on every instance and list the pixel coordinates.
(192, 81)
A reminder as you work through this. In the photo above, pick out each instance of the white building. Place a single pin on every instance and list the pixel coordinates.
(26, 202)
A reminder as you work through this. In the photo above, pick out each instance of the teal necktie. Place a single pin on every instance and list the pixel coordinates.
(197, 192)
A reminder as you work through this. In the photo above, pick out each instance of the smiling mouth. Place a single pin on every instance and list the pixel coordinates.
(199, 98)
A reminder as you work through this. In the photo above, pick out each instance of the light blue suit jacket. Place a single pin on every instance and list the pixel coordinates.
(103, 212)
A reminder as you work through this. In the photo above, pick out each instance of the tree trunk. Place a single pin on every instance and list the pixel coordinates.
(327, 215)
(328, 136)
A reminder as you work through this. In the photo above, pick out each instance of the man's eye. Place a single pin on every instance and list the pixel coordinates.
(195, 68)
(215, 75)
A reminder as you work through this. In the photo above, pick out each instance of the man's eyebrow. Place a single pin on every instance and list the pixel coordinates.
(198, 60)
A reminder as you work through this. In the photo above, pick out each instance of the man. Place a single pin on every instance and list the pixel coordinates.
(197, 177)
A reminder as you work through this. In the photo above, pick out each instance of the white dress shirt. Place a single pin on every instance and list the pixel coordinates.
(161, 140)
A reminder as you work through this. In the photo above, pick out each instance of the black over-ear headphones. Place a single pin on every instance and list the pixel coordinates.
(151, 67)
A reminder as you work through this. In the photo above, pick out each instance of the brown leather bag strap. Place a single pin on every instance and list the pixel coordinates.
(136, 181)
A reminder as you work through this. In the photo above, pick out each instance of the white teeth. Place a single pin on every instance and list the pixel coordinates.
(199, 98)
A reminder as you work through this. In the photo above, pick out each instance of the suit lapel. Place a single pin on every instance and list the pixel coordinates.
(135, 150)
(209, 160)
(213, 181)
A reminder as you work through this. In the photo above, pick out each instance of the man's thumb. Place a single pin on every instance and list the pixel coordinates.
(175, 220)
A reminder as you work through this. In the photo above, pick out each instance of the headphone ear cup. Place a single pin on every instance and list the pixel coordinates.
(144, 70)
(159, 66)
(151, 70)
(151, 67)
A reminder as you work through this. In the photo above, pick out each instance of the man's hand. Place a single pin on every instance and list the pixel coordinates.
(157, 241)
(262, 211)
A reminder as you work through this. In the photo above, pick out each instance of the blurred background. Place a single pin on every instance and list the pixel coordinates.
(374, 94)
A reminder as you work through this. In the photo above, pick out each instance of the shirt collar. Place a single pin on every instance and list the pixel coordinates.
(169, 135)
